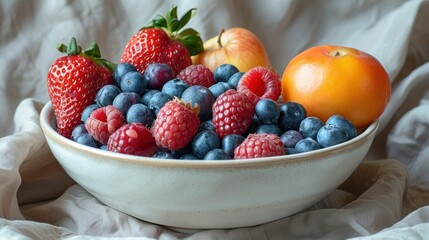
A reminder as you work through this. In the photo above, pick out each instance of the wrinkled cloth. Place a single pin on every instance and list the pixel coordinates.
(387, 197)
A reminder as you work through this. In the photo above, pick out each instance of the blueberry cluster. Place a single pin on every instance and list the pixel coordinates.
(139, 97)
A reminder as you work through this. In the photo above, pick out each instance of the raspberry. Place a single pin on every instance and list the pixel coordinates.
(258, 83)
(197, 75)
(103, 122)
(134, 139)
(260, 145)
(232, 113)
(176, 125)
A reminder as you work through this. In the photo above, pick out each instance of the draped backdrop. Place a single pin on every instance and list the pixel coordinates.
(387, 195)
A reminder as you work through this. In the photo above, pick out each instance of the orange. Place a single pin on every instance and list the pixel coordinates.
(329, 80)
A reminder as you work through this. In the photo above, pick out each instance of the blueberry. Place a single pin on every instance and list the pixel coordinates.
(223, 72)
(106, 94)
(310, 126)
(217, 154)
(158, 100)
(87, 111)
(340, 121)
(290, 138)
(203, 97)
(140, 113)
(203, 142)
(120, 70)
(125, 100)
(307, 145)
(207, 125)
(87, 140)
(267, 111)
(163, 155)
(148, 95)
(230, 142)
(103, 147)
(157, 74)
(291, 115)
(290, 151)
(235, 78)
(133, 82)
(218, 88)
(253, 125)
(175, 87)
(189, 156)
(269, 128)
(78, 130)
(330, 135)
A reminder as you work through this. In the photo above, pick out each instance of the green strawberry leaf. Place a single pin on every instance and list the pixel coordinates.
(186, 17)
(193, 42)
(93, 50)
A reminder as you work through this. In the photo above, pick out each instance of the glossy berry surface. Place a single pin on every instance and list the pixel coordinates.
(158, 100)
(203, 97)
(148, 95)
(230, 142)
(87, 140)
(106, 95)
(235, 78)
(125, 100)
(157, 74)
(268, 128)
(259, 145)
(197, 75)
(134, 139)
(232, 113)
(223, 72)
(290, 138)
(291, 115)
(175, 87)
(342, 122)
(217, 154)
(175, 126)
(204, 142)
(267, 111)
(259, 83)
(307, 145)
(330, 135)
(78, 130)
(310, 126)
(133, 82)
(87, 112)
(103, 122)
(140, 113)
(163, 155)
(120, 70)
(218, 88)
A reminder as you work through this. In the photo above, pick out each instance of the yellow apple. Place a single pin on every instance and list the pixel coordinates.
(237, 46)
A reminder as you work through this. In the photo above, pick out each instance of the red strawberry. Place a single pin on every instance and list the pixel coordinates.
(103, 122)
(197, 75)
(161, 42)
(260, 82)
(73, 82)
(260, 145)
(134, 139)
(232, 113)
(176, 125)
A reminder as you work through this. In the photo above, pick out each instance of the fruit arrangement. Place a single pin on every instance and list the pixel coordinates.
(160, 102)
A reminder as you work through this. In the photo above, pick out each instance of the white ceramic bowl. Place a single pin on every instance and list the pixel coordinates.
(191, 194)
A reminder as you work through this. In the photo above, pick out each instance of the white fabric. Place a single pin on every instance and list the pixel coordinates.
(386, 197)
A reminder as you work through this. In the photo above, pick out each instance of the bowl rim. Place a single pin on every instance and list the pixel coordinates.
(47, 116)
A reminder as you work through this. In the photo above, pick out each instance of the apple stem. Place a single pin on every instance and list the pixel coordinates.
(219, 42)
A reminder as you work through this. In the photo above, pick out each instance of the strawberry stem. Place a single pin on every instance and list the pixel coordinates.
(172, 25)
(92, 52)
